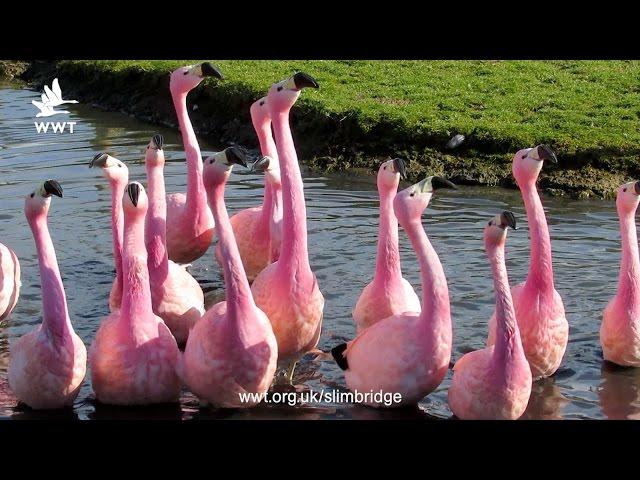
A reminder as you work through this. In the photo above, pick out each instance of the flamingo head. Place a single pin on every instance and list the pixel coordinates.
(134, 200)
(390, 173)
(495, 233)
(527, 163)
(217, 167)
(185, 79)
(154, 155)
(411, 202)
(260, 113)
(38, 201)
(283, 95)
(628, 197)
(270, 167)
(113, 169)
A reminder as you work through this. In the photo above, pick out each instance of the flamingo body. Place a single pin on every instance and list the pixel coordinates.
(232, 348)
(134, 357)
(48, 364)
(494, 383)
(620, 328)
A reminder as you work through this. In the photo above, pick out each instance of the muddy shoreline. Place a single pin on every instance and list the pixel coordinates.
(220, 113)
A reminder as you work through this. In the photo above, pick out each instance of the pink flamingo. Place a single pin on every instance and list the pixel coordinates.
(620, 329)
(388, 294)
(544, 329)
(258, 230)
(175, 295)
(232, 350)
(287, 290)
(189, 220)
(134, 356)
(494, 383)
(117, 173)
(49, 363)
(406, 354)
(9, 281)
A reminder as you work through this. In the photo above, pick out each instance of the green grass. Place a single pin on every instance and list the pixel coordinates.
(576, 106)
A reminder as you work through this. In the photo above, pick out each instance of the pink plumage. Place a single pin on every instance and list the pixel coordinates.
(494, 383)
(406, 354)
(388, 293)
(232, 350)
(48, 364)
(620, 329)
(543, 325)
(9, 281)
(134, 357)
(190, 225)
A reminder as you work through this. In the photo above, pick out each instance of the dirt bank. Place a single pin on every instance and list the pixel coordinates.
(328, 142)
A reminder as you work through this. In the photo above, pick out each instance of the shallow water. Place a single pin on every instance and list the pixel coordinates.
(342, 216)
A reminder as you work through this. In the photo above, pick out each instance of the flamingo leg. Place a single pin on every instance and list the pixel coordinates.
(289, 374)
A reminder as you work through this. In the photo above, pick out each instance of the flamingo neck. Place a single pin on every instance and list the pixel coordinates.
(388, 268)
(238, 292)
(508, 342)
(196, 197)
(272, 203)
(275, 220)
(136, 294)
(435, 292)
(540, 264)
(117, 226)
(55, 321)
(629, 279)
(294, 254)
(156, 226)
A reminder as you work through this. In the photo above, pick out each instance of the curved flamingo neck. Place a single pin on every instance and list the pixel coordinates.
(629, 278)
(435, 292)
(388, 268)
(196, 195)
(238, 292)
(540, 263)
(136, 294)
(507, 342)
(294, 257)
(55, 319)
(272, 194)
(117, 227)
(156, 225)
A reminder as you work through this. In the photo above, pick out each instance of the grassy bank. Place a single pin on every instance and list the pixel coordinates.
(588, 111)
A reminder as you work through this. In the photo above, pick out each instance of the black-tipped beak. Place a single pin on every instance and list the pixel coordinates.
(53, 188)
(158, 141)
(508, 219)
(545, 153)
(401, 167)
(439, 182)
(636, 187)
(262, 164)
(133, 189)
(304, 80)
(99, 160)
(235, 155)
(210, 70)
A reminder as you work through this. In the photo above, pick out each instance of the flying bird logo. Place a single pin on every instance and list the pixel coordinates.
(51, 98)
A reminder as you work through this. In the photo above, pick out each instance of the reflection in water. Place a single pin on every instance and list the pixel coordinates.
(342, 213)
(619, 392)
(546, 401)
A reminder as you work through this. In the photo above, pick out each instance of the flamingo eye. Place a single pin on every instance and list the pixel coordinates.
(32, 195)
(186, 72)
(412, 194)
(279, 88)
(211, 161)
(624, 189)
(385, 167)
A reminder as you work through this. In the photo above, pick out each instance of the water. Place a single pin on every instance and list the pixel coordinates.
(342, 216)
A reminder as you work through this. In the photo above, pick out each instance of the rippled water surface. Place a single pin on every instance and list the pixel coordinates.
(342, 216)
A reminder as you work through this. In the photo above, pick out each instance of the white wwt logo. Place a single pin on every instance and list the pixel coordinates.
(52, 98)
